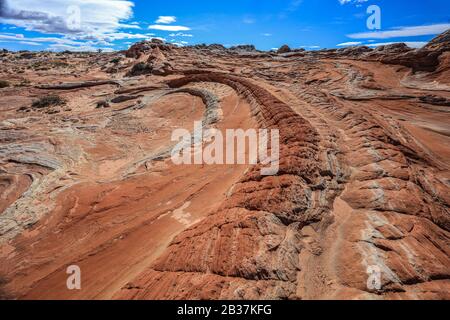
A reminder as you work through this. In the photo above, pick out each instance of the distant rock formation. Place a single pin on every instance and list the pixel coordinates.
(156, 64)
(244, 48)
(284, 49)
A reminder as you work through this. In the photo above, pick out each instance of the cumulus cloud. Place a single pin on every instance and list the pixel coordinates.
(99, 22)
(86, 43)
(166, 19)
(95, 17)
(168, 28)
(398, 32)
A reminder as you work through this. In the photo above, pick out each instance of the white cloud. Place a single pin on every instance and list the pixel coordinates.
(97, 17)
(21, 37)
(266, 34)
(166, 19)
(84, 48)
(101, 22)
(371, 43)
(342, 2)
(411, 44)
(123, 35)
(248, 20)
(310, 47)
(168, 28)
(65, 43)
(159, 38)
(413, 31)
(129, 26)
(181, 34)
(351, 43)
(30, 43)
(11, 36)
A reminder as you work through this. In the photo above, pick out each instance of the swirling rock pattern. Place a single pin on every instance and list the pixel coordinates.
(363, 182)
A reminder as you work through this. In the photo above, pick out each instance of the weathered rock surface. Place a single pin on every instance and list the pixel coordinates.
(363, 181)
(284, 49)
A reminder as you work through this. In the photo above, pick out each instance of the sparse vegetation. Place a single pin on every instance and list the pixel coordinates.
(48, 101)
(24, 83)
(3, 293)
(27, 55)
(59, 64)
(140, 68)
(115, 60)
(4, 84)
(102, 104)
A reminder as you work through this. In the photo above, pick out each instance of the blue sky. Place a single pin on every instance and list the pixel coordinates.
(312, 24)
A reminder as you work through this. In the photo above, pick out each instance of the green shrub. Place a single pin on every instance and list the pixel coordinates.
(115, 60)
(4, 84)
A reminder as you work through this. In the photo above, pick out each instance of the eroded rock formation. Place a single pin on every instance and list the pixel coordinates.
(363, 182)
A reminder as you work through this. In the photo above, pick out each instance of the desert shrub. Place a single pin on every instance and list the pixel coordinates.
(102, 104)
(115, 60)
(24, 83)
(4, 295)
(48, 101)
(60, 64)
(140, 68)
(27, 55)
(4, 84)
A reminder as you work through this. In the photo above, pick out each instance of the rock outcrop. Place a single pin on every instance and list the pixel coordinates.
(424, 59)
(284, 49)
(361, 191)
(156, 64)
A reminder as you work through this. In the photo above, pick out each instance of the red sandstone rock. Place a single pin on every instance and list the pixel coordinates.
(363, 179)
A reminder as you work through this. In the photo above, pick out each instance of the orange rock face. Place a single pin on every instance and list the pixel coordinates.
(363, 181)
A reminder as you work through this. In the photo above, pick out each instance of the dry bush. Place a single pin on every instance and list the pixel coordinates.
(4, 84)
(49, 101)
